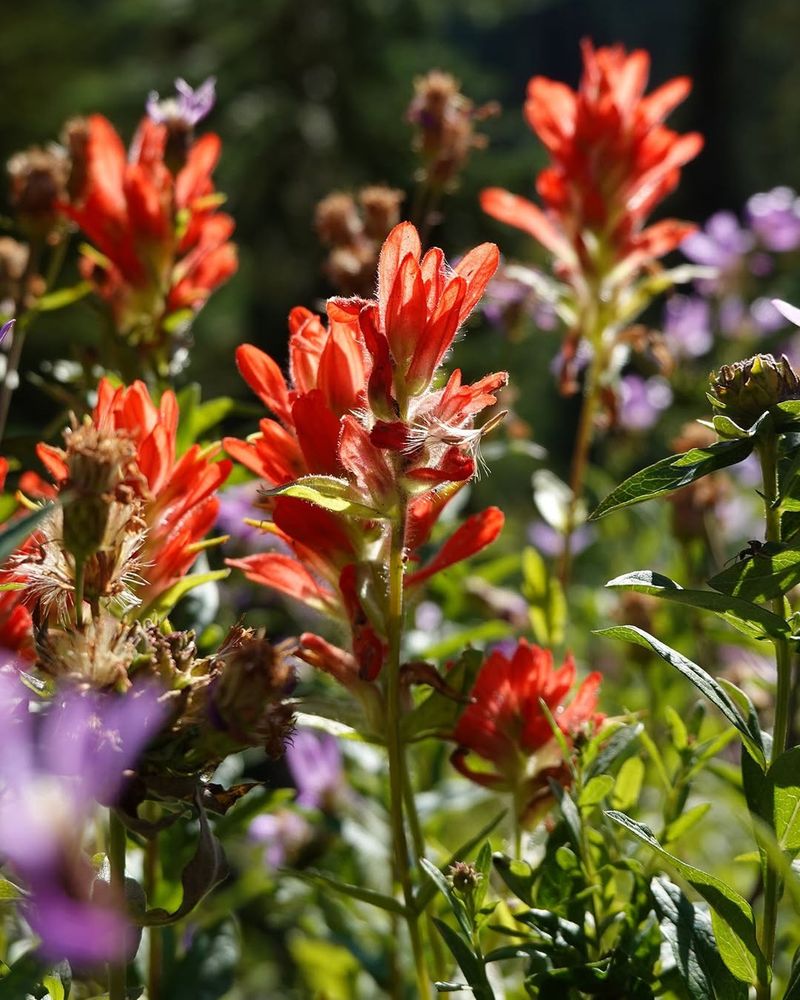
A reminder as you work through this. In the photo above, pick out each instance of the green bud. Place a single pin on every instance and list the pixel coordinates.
(746, 390)
(464, 877)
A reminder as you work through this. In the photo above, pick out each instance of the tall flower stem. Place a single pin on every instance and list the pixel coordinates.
(154, 956)
(768, 454)
(580, 455)
(398, 777)
(116, 859)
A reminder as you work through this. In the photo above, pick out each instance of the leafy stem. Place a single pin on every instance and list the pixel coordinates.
(398, 776)
(116, 859)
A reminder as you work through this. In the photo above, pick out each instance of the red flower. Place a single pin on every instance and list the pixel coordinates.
(359, 409)
(159, 244)
(505, 724)
(178, 494)
(612, 162)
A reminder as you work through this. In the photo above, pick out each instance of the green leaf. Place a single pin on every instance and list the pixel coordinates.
(63, 297)
(456, 905)
(732, 916)
(207, 970)
(629, 784)
(604, 748)
(672, 473)
(595, 790)
(439, 712)
(10, 893)
(545, 597)
(517, 875)
(750, 619)
(15, 534)
(164, 604)
(704, 682)
(329, 493)
(471, 965)
(371, 896)
(204, 870)
(687, 929)
(769, 573)
(54, 987)
(569, 811)
(684, 823)
(782, 785)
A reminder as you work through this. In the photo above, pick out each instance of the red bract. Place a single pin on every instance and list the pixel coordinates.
(159, 245)
(16, 627)
(359, 411)
(612, 161)
(178, 494)
(506, 726)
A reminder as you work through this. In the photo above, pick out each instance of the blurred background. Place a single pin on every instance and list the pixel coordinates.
(312, 94)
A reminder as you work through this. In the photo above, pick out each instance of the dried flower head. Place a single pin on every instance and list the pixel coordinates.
(38, 183)
(98, 655)
(445, 126)
(464, 877)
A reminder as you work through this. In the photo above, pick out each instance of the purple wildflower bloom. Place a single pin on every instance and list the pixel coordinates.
(687, 325)
(283, 833)
(775, 218)
(642, 401)
(189, 107)
(54, 769)
(550, 542)
(514, 288)
(315, 764)
(765, 316)
(6, 328)
(721, 243)
(237, 504)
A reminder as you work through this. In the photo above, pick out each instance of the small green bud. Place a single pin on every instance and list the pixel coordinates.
(747, 389)
(464, 877)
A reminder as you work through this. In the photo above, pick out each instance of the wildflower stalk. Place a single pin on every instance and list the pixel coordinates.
(154, 941)
(768, 455)
(398, 776)
(116, 858)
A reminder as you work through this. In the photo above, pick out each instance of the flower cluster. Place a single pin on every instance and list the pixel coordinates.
(362, 432)
(506, 726)
(160, 245)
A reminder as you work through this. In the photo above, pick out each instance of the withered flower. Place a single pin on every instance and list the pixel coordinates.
(746, 390)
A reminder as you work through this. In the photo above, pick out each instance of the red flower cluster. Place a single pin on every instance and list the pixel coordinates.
(362, 429)
(612, 162)
(506, 726)
(177, 494)
(16, 626)
(159, 245)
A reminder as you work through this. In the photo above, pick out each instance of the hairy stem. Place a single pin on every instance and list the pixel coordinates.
(398, 777)
(116, 859)
(580, 456)
(768, 454)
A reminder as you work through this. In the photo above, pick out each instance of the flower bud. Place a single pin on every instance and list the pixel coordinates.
(38, 183)
(98, 655)
(464, 877)
(75, 139)
(381, 210)
(336, 219)
(746, 390)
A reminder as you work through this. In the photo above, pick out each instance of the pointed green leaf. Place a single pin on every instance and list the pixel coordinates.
(329, 493)
(732, 916)
(12, 536)
(687, 929)
(672, 473)
(63, 297)
(164, 604)
(704, 682)
(379, 899)
(770, 572)
(471, 965)
(750, 619)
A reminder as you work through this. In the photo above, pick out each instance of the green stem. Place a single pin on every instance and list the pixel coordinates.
(580, 454)
(154, 941)
(116, 858)
(768, 454)
(80, 574)
(397, 764)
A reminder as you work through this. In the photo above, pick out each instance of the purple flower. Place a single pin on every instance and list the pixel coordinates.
(6, 328)
(55, 767)
(516, 289)
(283, 833)
(722, 243)
(550, 542)
(765, 316)
(775, 218)
(236, 505)
(315, 765)
(687, 325)
(189, 106)
(642, 401)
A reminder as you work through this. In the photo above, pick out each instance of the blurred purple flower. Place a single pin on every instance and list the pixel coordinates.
(235, 505)
(732, 315)
(514, 287)
(6, 328)
(54, 769)
(190, 106)
(774, 217)
(687, 325)
(642, 401)
(282, 834)
(765, 316)
(428, 616)
(721, 243)
(550, 542)
(315, 764)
